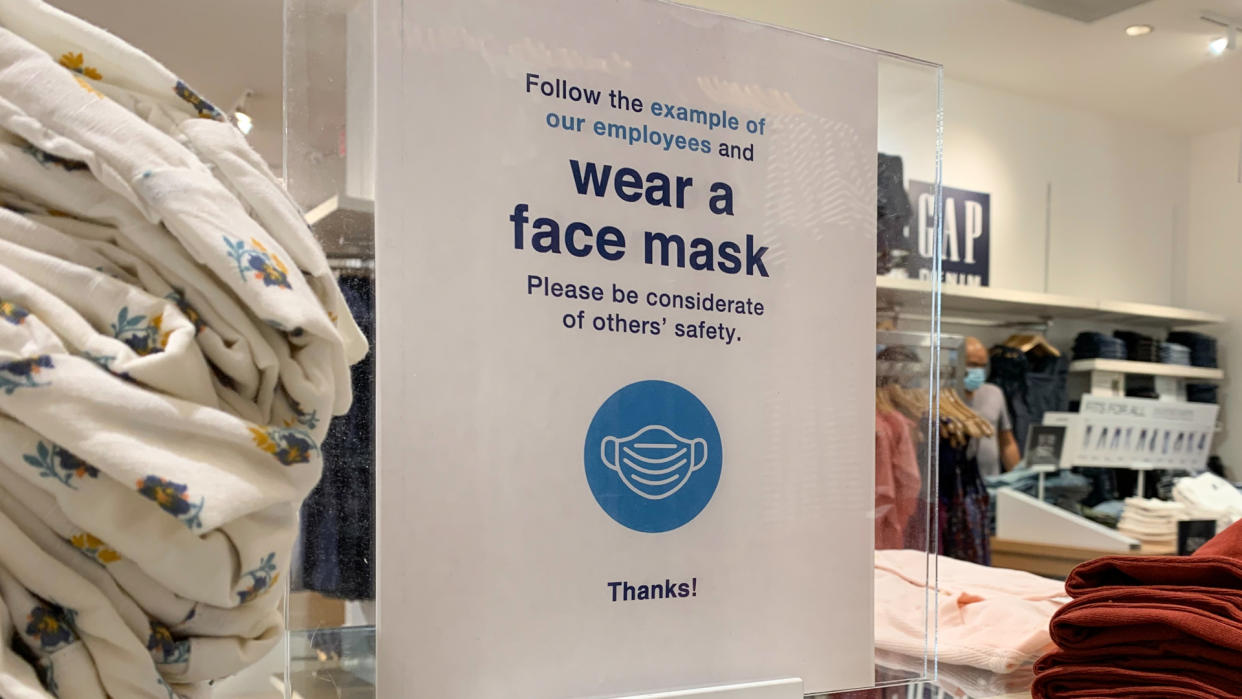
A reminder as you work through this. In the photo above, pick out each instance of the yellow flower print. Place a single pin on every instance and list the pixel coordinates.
(86, 86)
(77, 63)
(288, 445)
(72, 61)
(262, 441)
(93, 547)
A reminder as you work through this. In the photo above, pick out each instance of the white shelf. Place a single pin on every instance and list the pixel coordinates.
(913, 296)
(1123, 366)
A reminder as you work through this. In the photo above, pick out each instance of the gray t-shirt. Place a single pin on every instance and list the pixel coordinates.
(989, 402)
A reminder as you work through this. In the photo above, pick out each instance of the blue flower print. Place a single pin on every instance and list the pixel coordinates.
(204, 108)
(59, 464)
(164, 648)
(49, 626)
(23, 373)
(13, 313)
(255, 261)
(262, 578)
(173, 499)
(290, 445)
(140, 334)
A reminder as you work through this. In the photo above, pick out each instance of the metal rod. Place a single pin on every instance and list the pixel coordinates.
(1042, 324)
(1047, 236)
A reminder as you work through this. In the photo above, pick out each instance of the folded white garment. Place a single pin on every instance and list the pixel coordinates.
(172, 346)
(1209, 496)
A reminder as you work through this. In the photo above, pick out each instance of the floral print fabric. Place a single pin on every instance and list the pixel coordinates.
(171, 344)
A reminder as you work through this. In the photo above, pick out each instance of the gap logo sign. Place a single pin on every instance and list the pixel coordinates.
(967, 233)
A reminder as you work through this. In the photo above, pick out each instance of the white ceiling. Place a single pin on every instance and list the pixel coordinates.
(1167, 78)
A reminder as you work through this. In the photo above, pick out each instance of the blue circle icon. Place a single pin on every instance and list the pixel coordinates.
(653, 456)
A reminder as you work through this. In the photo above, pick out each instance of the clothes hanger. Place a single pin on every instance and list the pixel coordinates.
(1032, 341)
(882, 403)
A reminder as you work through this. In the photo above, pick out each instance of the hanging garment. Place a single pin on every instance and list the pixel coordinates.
(897, 478)
(963, 521)
(172, 345)
(338, 517)
(893, 212)
(1033, 385)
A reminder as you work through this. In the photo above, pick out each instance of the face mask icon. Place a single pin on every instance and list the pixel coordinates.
(654, 462)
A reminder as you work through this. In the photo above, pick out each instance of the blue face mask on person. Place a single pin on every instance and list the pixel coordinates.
(975, 376)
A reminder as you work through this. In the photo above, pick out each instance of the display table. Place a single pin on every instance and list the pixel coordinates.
(1054, 561)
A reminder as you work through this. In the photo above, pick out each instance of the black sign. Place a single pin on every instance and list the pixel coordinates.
(1193, 533)
(1044, 444)
(967, 234)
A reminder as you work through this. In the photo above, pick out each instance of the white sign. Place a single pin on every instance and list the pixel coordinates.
(626, 283)
(1134, 432)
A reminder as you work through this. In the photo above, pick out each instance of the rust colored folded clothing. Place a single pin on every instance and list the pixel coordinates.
(1204, 571)
(1112, 617)
(1091, 682)
(1150, 626)
(1183, 653)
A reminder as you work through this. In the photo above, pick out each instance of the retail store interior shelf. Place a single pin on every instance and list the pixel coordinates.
(1010, 304)
(1020, 517)
(1122, 366)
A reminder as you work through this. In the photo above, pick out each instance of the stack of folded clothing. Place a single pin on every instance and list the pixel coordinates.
(1208, 496)
(1173, 353)
(992, 619)
(1150, 626)
(1139, 347)
(1202, 347)
(1201, 393)
(1091, 345)
(1152, 522)
(1169, 478)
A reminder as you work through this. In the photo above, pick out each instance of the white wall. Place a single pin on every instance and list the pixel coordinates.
(1214, 267)
(1118, 188)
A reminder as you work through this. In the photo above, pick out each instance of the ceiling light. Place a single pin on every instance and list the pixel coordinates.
(1138, 29)
(244, 122)
(1218, 46)
(241, 116)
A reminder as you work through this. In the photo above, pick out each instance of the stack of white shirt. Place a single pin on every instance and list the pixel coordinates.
(172, 347)
(1208, 496)
(1152, 522)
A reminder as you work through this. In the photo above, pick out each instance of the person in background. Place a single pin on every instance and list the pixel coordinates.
(989, 402)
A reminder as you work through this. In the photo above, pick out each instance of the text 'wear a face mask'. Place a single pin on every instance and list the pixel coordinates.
(654, 462)
(975, 376)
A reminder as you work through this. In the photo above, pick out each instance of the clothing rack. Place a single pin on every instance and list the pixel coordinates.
(1043, 324)
(955, 344)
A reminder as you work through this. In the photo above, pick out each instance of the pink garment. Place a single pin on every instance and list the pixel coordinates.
(897, 478)
(989, 618)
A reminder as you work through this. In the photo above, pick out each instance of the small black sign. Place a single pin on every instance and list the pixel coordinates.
(1044, 444)
(1193, 533)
